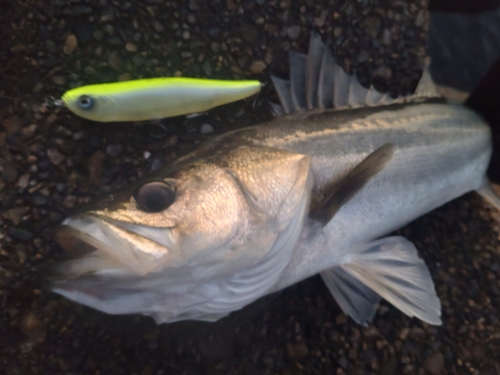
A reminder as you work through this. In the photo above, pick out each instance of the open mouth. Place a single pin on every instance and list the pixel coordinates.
(139, 249)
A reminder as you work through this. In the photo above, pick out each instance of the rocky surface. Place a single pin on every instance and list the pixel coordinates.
(51, 162)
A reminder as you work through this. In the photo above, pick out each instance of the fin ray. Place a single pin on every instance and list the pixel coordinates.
(298, 80)
(317, 81)
(409, 288)
(282, 88)
(313, 69)
(489, 194)
(326, 80)
(354, 298)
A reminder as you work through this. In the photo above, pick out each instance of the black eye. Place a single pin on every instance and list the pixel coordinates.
(85, 102)
(155, 196)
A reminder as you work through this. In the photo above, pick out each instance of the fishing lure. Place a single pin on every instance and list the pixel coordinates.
(154, 98)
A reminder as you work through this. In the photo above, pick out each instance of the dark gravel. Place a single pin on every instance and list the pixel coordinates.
(52, 161)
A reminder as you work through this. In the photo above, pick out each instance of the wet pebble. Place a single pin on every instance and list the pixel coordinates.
(70, 45)
(434, 364)
(77, 10)
(83, 32)
(115, 61)
(293, 32)
(55, 156)
(372, 25)
(297, 350)
(20, 234)
(258, 67)
(9, 173)
(5, 277)
(206, 129)
(114, 150)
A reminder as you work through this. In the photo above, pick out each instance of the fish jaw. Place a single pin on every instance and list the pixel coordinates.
(138, 249)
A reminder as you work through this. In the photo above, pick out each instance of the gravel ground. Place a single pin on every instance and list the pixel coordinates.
(52, 162)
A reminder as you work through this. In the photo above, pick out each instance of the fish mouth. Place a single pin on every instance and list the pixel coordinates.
(107, 244)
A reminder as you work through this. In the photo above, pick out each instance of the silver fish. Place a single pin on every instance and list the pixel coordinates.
(258, 209)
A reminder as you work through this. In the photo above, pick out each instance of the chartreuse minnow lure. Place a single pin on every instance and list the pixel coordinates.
(154, 98)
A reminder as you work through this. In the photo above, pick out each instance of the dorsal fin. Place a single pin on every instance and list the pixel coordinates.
(317, 81)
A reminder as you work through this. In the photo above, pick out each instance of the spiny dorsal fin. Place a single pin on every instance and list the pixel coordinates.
(317, 81)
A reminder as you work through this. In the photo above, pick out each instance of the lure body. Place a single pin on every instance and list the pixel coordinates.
(154, 98)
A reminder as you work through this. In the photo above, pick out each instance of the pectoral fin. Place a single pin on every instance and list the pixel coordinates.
(389, 268)
(355, 180)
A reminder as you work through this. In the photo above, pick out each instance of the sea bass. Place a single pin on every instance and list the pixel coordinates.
(255, 210)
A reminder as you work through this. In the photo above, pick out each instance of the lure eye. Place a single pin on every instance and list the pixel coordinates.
(155, 196)
(85, 102)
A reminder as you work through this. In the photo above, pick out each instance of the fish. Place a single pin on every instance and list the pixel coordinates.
(316, 190)
(154, 98)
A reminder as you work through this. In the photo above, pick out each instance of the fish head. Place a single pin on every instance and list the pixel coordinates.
(91, 102)
(208, 220)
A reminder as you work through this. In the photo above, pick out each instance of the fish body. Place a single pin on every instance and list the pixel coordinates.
(257, 209)
(154, 98)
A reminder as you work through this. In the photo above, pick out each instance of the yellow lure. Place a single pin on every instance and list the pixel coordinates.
(154, 98)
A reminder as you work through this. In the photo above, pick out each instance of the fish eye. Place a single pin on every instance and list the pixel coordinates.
(155, 196)
(85, 102)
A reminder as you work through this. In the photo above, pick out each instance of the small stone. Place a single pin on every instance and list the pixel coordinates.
(434, 364)
(206, 129)
(15, 214)
(69, 201)
(114, 150)
(70, 45)
(108, 16)
(115, 61)
(58, 80)
(55, 156)
(297, 350)
(258, 67)
(383, 72)
(214, 33)
(23, 181)
(77, 10)
(125, 77)
(138, 60)
(98, 35)
(131, 47)
(18, 49)
(372, 26)
(30, 324)
(387, 37)
(293, 31)
(89, 70)
(5, 277)
(20, 234)
(29, 131)
(83, 32)
(39, 199)
(363, 56)
(114, 41)
(9, 173)
(404, 333)
(157, 26)
(419, 22)
(12, 124)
